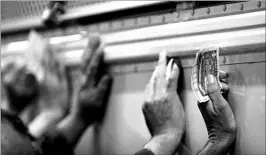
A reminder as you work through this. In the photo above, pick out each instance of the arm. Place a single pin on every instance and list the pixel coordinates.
(90, 99)
(219, 119)
(54, 95)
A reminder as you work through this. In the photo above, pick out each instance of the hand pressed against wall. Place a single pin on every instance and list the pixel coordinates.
(94, 85)
(163, 111)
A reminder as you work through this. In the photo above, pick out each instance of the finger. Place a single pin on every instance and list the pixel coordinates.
(222, 74)
(93, 68)
(149, 90)
(224, 81)
(153, 78)
(173, 79)
(215, 93)
(153, 75)
(161, 67)
(162, 58)
(149, 93)
(220, 105)
(93, 44)
(6, 68)
(104, 86)
(169, 68)
(207, 109)
(213, 88)
(225, 87)
(51, 64)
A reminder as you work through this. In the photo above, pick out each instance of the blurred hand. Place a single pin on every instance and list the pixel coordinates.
(54, 99)
(21, 87)
(54, 86)
(94, 87)
(218, 117)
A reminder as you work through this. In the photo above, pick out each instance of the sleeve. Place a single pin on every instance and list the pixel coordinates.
(144, 152)
(54, 143)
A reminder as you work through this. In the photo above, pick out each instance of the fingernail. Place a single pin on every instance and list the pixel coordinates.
(169, 68)
(210, 78)
(175, 67)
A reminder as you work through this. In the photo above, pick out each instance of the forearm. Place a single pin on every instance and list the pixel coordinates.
(218, 146)
(72, 127)
(165, 143)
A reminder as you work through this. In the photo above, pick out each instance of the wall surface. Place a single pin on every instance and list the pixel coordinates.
(124, 130)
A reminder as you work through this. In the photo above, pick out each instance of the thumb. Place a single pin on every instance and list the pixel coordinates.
(173, 78)
(213, 89)
(104, 86)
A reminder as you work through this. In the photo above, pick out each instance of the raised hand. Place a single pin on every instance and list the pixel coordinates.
(219, 119)
(94, 85)
(54, 100)
(20, 86)
(163, 111)
(91, 95)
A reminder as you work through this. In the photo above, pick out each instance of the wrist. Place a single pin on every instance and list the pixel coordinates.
(219, 144)
(164, 143)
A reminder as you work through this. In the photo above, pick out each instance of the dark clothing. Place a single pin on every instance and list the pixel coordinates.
(52, 143)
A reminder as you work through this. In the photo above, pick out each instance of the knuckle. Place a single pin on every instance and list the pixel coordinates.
(146, 105)
(162, 99)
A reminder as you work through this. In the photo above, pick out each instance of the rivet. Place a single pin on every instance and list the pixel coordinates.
(163, 19)
(149, 19)
(224, 8)
(259, 4)
(136, 69)
(241, 7)
(177, 14)
(208, 10)
(135, 21)
(193, 12)
(110, 25)
(224, 60)
(123, 23)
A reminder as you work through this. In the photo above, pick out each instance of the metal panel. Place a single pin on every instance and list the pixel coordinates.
(124, 131)
(242, 41)
(161, 18)
(15, 12)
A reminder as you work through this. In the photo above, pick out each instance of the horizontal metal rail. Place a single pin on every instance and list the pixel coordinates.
(86, 11)
(234, 33)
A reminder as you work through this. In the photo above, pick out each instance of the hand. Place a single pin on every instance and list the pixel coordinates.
(54, 86)
(90, 95)
(162, 109)
(94, 87)
(219, 118)
(21, 87)
(54, 96)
